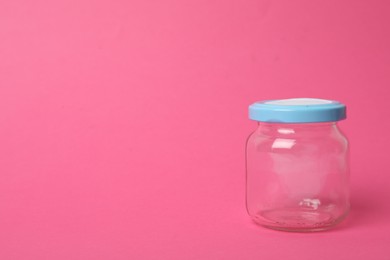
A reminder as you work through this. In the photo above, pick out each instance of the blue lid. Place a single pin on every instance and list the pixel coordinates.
(297, 110)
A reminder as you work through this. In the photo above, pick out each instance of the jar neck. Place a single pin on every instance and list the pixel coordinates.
(296, 128)
(298, 125)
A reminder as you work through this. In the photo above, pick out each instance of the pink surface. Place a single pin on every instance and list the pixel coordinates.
(123, 123)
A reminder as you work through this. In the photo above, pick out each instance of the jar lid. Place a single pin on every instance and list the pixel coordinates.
(297, 110)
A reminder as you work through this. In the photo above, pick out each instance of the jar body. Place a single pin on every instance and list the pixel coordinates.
(297, 176)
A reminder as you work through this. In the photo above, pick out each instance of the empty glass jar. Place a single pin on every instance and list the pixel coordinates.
(297, 164)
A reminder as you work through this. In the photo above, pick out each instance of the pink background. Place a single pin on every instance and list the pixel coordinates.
(123, 123)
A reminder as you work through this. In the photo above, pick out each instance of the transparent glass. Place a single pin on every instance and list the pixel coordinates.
(297, 176)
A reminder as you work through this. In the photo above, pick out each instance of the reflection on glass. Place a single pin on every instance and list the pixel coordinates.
(286, 131)
(283, 143)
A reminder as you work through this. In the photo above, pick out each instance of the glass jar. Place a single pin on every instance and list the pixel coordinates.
(297, 165)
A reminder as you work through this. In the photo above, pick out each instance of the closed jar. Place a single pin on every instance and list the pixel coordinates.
(297, 167)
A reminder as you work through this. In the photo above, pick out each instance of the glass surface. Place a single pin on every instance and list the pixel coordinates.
(297, 176)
